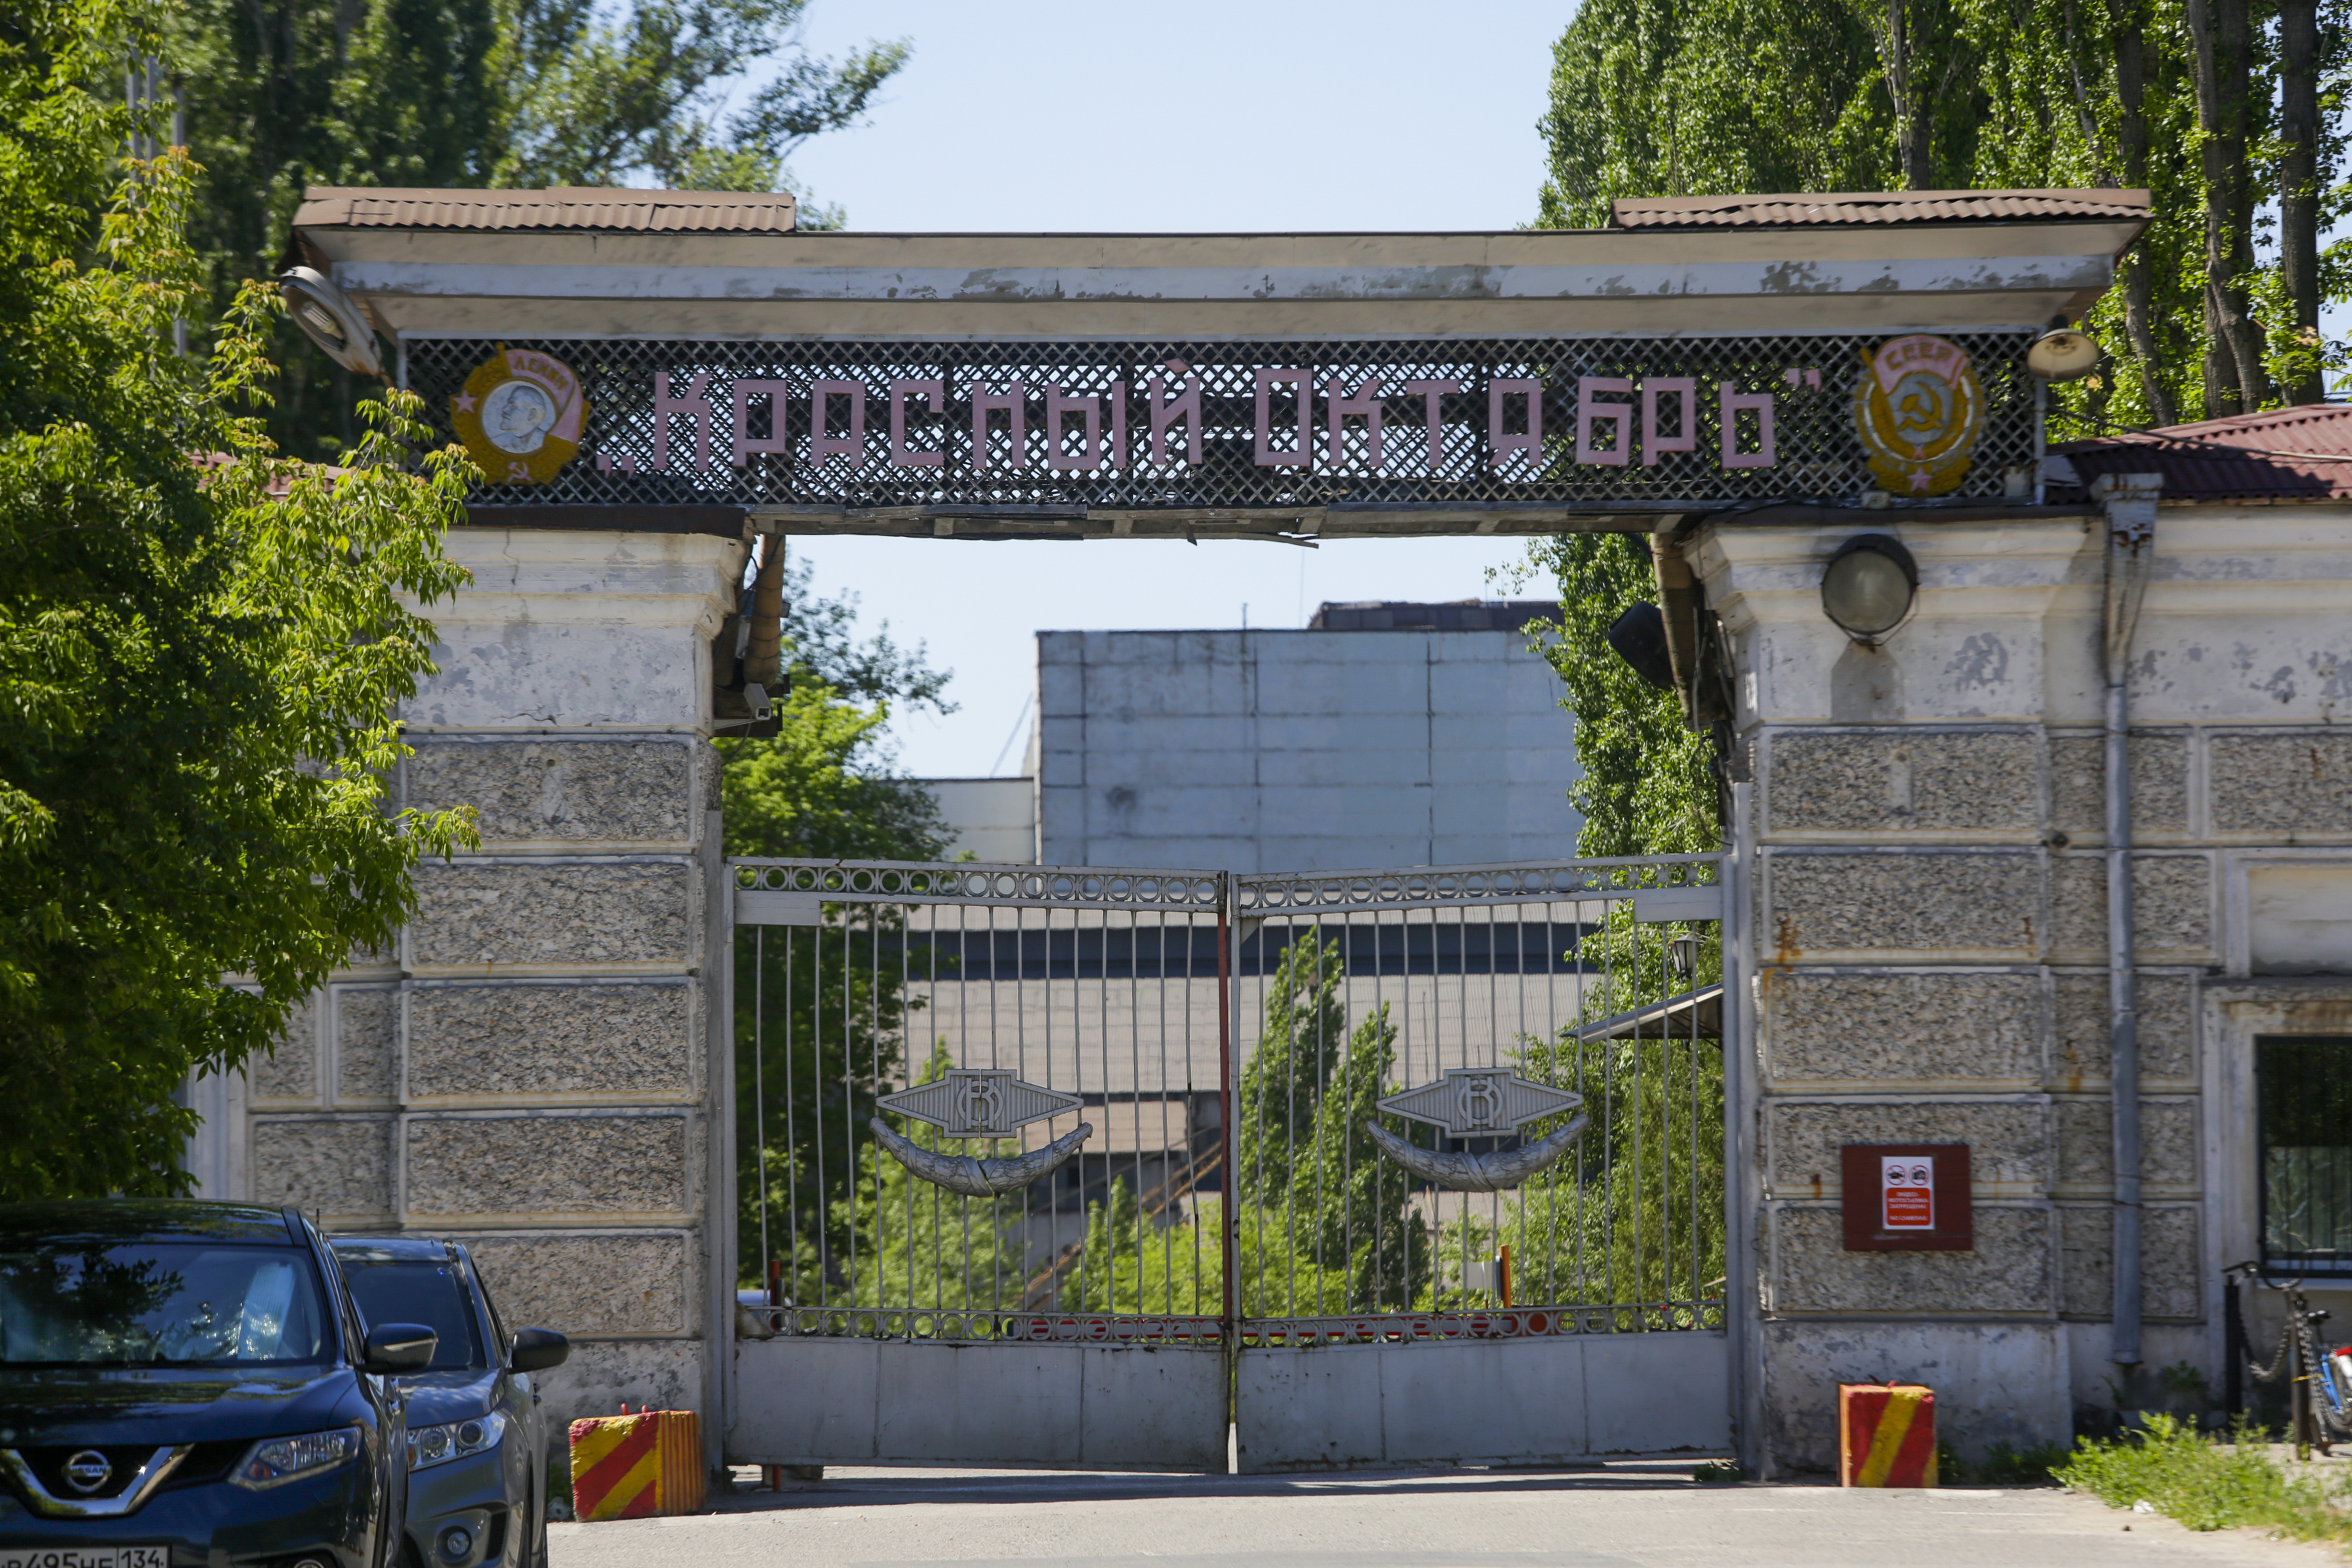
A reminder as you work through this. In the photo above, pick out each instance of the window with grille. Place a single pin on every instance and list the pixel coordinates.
(2303, 1098)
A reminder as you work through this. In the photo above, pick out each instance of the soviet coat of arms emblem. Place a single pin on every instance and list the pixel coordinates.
(521, 415)
(1919, 410)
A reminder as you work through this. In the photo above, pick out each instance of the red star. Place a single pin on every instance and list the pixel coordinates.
(465, 400)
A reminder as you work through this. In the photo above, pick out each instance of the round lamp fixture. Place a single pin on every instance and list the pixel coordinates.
(330, 320)
(1868, 586)
(2062, 353)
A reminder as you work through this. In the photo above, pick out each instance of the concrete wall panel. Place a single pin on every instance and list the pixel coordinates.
(561, 792)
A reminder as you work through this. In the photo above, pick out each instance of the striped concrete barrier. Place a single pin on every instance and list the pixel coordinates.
(1887, 1435)
(635, 1467)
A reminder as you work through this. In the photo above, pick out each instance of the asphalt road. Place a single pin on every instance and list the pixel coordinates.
(1625, 1515)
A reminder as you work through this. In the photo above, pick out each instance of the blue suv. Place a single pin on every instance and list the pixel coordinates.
(191, 1385)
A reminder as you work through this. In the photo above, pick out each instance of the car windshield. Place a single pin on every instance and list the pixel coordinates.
(159, 1303)
(416, 1290)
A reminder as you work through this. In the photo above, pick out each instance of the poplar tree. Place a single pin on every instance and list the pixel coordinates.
(2229, 111)
(202, 645)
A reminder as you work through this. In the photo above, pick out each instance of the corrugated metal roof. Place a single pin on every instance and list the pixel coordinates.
(2198, 464)
(560, 206)
(1835, 209)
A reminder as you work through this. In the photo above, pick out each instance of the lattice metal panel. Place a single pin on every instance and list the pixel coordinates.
(1306, 892)
(1055, 462)
(979, 884)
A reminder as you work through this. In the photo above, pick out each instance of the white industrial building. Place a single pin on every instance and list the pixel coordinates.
(1382, 734)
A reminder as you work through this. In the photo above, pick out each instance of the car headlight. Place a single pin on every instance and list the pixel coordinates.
(274, 1461)
(430, 1446)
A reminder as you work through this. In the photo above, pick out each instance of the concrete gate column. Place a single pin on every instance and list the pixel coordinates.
(531, 1069)
(1926, 830)
(1903, 884)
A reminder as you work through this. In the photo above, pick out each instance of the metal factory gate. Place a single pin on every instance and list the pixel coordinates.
(1072, 1167)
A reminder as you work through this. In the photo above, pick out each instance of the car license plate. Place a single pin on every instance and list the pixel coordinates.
(86, 1557)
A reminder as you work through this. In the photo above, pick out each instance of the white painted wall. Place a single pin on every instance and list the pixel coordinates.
(992, 819)
(1290, 751)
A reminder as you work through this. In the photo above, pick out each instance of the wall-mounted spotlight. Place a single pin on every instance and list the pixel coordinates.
(2062, 353)
(1868, 585)
(1639, 635)
(330, 320)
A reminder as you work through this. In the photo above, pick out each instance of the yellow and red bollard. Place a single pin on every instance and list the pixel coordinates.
(636, 1466)
(1887, 1435)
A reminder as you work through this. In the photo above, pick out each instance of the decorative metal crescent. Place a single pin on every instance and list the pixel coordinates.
(1478, 1172)
(979, 1178)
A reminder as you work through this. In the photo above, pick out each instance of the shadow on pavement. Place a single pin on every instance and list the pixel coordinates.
(866, 1488)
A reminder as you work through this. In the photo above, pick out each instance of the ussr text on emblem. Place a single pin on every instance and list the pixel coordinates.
(521, 415)
(1918, 410)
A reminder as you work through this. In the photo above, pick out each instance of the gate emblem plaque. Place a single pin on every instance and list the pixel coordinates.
(1475, 1102)
(980, 1102)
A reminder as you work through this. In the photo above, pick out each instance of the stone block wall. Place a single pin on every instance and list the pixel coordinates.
(528, 1070)
(1927, 912)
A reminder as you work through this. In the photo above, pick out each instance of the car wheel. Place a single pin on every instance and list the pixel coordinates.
(536, 1557)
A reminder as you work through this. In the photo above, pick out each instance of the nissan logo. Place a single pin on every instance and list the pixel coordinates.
(87, 1471)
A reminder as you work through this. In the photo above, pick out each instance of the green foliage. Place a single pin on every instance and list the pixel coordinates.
(282, 94)
(813, 789)
(199, 668)
(1314, 1190)
(1129, 1262)
(1645, 786)
(921, 1246)
(2207, 1483)
(1634, 1212)
(1666, 98)
(821, 1017)
(821, 1020)
(1690, 96)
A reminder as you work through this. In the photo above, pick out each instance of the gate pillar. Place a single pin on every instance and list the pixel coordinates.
(1925, 833)
(529, 1069)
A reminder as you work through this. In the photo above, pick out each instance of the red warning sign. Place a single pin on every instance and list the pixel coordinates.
(1907, 1185)
(1906, 1197)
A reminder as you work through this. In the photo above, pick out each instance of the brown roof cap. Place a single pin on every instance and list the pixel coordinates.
(1842, 209)
(2199, 464)
(560, 206)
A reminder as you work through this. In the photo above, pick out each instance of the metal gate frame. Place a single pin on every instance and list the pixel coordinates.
(1288, 1383)
(1525, 1386)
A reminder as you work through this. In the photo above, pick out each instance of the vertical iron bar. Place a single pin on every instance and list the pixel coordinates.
(1227, 1088)
(759, 1088)
(816, 1111)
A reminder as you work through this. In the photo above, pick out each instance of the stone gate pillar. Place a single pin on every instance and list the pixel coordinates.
(531, 1069)
(1930, 944)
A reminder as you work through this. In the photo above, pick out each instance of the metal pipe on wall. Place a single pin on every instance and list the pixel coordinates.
(2128, 503)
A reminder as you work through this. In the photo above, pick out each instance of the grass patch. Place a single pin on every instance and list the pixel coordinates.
(2209, 1483)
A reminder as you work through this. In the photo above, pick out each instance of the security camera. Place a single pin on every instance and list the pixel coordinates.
(755, 697)
(330, 320)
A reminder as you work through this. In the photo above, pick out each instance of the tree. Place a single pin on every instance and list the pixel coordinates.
(2219, 305)
(281, 94)
(1325, 1217)
(1646, 783)
(822, 1016)
(200, 664)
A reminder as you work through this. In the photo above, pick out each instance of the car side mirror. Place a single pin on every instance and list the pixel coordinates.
(536, 1349)
(398, 1347)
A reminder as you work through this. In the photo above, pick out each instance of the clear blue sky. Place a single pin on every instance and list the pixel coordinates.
(1191, 116)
